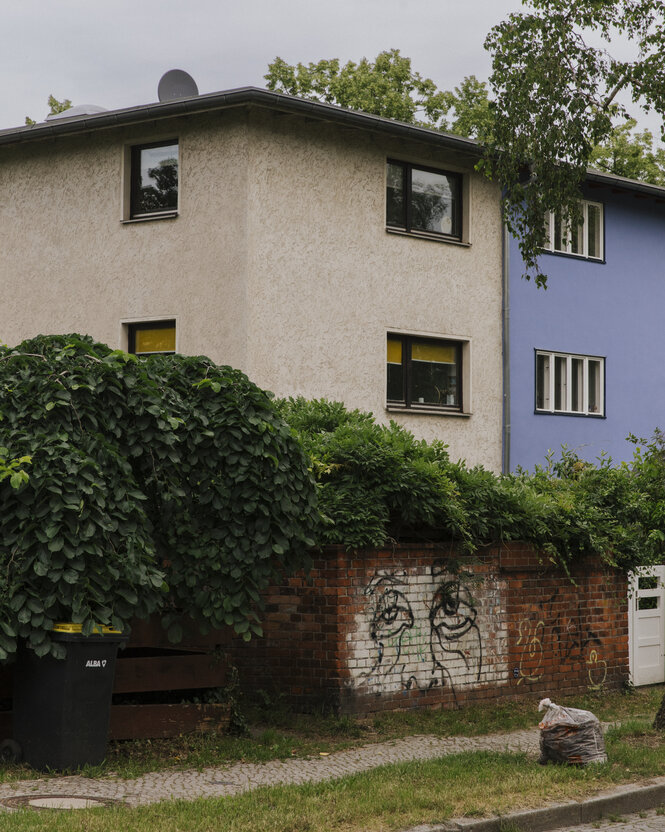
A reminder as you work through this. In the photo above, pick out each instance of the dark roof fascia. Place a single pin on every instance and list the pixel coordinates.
(236, 98)
(245, 96)
(610, 180)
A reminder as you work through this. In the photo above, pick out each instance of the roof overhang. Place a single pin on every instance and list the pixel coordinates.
(242, 97)
(621, 184)
(287, 104)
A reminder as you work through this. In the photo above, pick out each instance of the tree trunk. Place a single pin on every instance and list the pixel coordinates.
(659, 721)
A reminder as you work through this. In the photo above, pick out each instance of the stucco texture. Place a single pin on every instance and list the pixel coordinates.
(278, 263)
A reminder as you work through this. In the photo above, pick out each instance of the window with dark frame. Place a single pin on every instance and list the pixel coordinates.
(423, 200)
(154, 179)
(151, 338)
(424, 373)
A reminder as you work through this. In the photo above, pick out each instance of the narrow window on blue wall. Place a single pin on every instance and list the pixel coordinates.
(560, 383)
(567, 383)
(594, 387)
(594, 230)
(577, 385)
(583, 240)
(542, 382)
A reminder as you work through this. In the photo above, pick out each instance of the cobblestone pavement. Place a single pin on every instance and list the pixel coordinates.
(232, 779)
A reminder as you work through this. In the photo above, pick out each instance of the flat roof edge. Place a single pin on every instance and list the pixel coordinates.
(234, 98)
(269, 99)
(612, 180)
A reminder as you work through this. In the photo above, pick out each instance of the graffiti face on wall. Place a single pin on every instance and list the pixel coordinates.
(455, 637)
(421, 631)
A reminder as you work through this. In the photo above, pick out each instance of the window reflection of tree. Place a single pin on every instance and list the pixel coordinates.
(162, 192)
(431, 208)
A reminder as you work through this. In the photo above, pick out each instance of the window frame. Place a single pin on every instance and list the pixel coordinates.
(133, 164)
(550, 221)
(407, 179)
(406, 403)
(132, 327)
(567, 385)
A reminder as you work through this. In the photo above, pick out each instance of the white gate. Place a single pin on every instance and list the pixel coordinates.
(646, 625)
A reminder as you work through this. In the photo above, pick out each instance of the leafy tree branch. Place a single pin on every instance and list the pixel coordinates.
(554, 102)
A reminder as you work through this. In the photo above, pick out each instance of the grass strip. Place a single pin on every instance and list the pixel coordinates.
(475, 784)
(278, 734)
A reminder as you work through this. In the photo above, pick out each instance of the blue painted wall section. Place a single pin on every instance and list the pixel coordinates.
(614, 309)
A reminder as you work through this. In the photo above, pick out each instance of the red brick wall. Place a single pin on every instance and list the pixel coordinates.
(565, 637)
(374, 630)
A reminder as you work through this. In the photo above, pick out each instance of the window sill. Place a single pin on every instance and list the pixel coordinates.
(427, 411)
(423, 235)
(599, 260)
(570, 413)
(166, 215)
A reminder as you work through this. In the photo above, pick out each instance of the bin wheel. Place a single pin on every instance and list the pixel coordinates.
(10, 751)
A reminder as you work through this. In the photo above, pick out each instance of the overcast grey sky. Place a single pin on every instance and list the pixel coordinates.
(113, 52)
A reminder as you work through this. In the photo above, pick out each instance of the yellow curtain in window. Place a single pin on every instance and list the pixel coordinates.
(394, 351)
(439, 353)
(161, 339)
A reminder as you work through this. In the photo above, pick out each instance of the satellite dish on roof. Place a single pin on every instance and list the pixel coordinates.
(176, 83)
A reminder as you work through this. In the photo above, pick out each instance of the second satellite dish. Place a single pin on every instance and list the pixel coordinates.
(176, 83)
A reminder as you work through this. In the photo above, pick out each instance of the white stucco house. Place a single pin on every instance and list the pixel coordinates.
(324, 252)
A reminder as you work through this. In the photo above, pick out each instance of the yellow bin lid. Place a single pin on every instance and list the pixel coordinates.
(70, 627)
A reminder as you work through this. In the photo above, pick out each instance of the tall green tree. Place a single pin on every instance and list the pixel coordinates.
(555, 99)
(388, 86)
(469, 113)
(631, 153)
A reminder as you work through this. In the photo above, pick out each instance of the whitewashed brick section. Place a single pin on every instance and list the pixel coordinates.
(428, 629)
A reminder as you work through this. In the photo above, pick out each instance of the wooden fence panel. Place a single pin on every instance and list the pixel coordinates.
(192, 667)
(159, 673)
(132, 722)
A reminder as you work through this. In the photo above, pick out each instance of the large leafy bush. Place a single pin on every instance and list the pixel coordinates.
(169, 472)
(572, 508)
(378, 483)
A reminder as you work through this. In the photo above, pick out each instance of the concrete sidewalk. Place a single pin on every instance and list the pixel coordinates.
(233, 779)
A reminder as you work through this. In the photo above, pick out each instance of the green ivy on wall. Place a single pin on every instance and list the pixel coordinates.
(166, 483)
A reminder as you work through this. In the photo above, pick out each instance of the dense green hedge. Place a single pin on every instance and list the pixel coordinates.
(143, 475)
(133, 485)
(378, 483)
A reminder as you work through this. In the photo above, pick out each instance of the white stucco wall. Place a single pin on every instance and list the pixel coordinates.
(328, 282)
(278, 263)
(70, 265)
